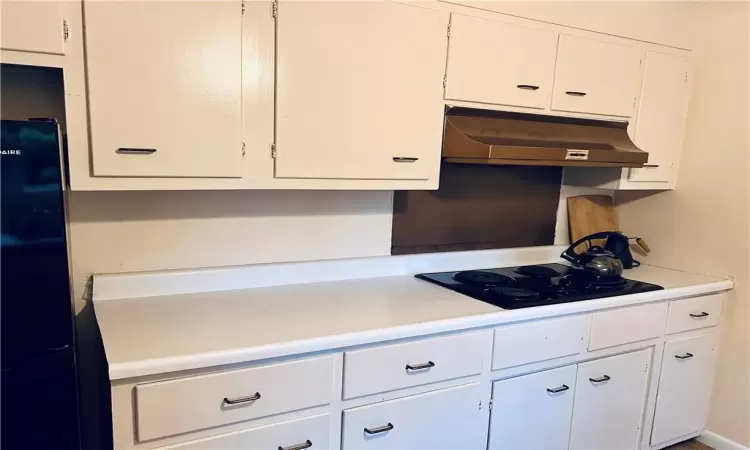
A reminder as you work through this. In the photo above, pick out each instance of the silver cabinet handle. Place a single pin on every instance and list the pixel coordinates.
(699, 316)
(404, 159)
(600, 379)
(687, 355)
(382, 429)
(528, 87)
(575, 93)
(556, 390)
(135, 151)
(422, 366)
(651, 166)
(304, 445)
(238, 400)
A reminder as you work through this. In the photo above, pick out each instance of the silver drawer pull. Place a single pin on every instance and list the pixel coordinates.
(304, 445)
(382, 429)
(423, 366)
(699, 316)
(600, 379)
(557, 390)
(685, 356)
(404, 159)
(238, 400)
(135, 151)
(651, 166)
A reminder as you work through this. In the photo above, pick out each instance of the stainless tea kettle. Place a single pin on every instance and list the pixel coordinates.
(599, 263)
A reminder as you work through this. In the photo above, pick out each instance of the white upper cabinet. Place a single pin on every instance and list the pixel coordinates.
(359, 90)
(684, 387)
(533, 411)
(493, 62)
(662, 114)
(609, 400)
(596, 77)
(31, 26)
(165, 88)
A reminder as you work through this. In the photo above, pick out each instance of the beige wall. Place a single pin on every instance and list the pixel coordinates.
(704, 225)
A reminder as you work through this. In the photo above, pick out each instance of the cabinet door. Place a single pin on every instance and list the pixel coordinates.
(31, 26)
(533, 411)
(684, 387)
(493, 62)
(661, 116)
(596, 77)
(610, 394)
(454, 418)
(359, 90)
(311, 433)
(164, 88)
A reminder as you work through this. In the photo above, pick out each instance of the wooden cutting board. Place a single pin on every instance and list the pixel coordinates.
(588, 214)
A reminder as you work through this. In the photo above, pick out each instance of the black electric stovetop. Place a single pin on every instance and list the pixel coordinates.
(527, 286)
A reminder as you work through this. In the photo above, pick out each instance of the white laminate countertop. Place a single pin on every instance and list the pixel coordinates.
(161, 334)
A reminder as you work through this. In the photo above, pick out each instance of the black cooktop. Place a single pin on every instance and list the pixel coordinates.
(527, 286)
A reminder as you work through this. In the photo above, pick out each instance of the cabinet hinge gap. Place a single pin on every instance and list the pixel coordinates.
(243, 7)
(445, 80)
(66, 31)
(489, 404)
(274, 9)
(273, 151)
(449, 30)
(243, 150)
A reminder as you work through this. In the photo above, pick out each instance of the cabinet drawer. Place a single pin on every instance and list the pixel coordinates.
(392, 367)
(526, 343)
(622, 326)
(171, 407)
(684, 387)
(310, 432)
(449, 419)
(694, 313)
(533, 411)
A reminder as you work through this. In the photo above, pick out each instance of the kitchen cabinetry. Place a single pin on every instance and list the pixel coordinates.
(498, 63)
(596, 77)
(454, 418)
(165, 88)
(610, 395)
(684, 387)
(310, 433)
(359, 97)
(659, 128)
(661, 116)
(533, 411)
(32, 26)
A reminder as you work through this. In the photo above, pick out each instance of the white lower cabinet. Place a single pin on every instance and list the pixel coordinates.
(309, 433)
(533, 411)
(610, 395)
(684, 387)
(454, 418)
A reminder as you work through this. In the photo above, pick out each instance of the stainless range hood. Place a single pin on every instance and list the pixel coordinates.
(477, 136)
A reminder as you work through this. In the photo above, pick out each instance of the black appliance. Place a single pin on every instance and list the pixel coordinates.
(527, 286)
(39, 388)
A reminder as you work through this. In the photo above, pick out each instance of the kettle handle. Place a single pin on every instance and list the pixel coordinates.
(571, 256)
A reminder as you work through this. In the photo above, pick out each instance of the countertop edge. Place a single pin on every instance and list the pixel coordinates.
(133, 369)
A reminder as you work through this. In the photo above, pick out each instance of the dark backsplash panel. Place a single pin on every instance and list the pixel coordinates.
(478, 207)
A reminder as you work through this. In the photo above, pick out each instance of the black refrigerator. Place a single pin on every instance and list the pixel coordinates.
(39, 393)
